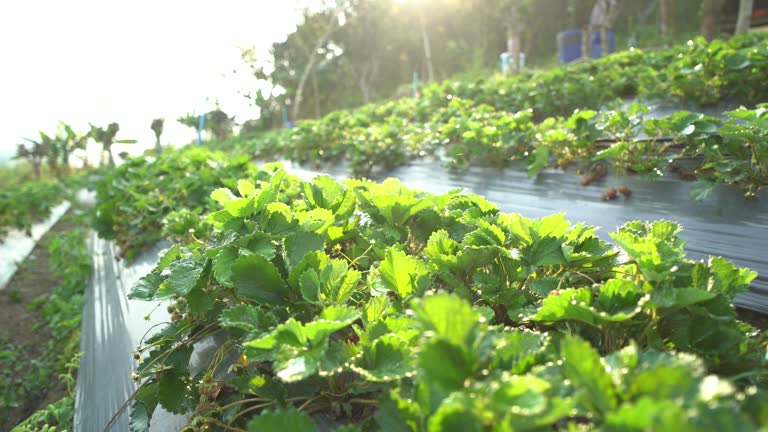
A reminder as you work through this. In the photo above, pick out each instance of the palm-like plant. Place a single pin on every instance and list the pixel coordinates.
(157, 128)
(106, 137)
(35, 154)
(71, 141)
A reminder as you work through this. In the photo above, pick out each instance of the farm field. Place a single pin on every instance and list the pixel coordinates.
(572, 248)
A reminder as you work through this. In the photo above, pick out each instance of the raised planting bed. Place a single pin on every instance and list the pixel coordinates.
(367, 306)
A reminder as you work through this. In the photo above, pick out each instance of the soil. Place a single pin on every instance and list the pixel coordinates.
(756, 319)
(18, 324)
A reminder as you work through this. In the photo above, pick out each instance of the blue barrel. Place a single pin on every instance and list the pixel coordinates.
(597, 47)
(569, 45)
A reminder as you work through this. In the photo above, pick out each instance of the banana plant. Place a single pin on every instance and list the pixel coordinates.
(106, 137)
(34, 154)
(71, 141)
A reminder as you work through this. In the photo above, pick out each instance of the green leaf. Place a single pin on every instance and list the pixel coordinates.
(223, 263)
(388, 359)
(299, 244)
(146, 287)
(178, 359)
(701, 189)
(654, 246)
(282, 420)
(258, 280)
(456, 414)
(246, 188)
(184, 276)
(527, 394)
(540, 161)
(312, 260)
(727, 279)
(332, 286)
(582, 365)
(257, 242)
(448, 316)
(518, 351)
(546, 251)
(396, 414)
(445, 365)
(316, 220)
(375, 308)
(222, 195)
(619, 300)
(240, 207)
(569, 304)
(340, 314)
(200, 300)
(613, 152)
(441, 250)
(244, 317)
(173, 393)
(168, 256)
(671, 297)
(647, 414)
(402, 273)
(139, 418)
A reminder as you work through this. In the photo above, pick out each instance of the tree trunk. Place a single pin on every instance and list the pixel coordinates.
(332, 23)
(711, 10)
(513, 48)
(36, 168)
(586, 42)
(110, 157)
(158, 147)
(666, 19)
(316, 95)
(745, 16)
(604, 45)
(427, 48)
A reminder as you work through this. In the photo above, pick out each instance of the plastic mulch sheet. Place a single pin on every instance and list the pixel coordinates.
(112, 328)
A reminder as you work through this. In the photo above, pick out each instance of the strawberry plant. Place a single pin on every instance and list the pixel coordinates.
(188, 176)
(738, 155)
(365, 306)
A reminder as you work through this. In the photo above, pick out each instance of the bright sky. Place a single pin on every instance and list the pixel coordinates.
(129, 62)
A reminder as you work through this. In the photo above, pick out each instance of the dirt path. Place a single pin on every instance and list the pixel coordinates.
(23, 340)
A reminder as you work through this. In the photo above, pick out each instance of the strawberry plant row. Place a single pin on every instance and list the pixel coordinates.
(27, 204)
(498, 121)
(361, 306)
(698, 73)
(730, 151)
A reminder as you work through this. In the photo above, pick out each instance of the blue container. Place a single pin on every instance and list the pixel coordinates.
(569, 45)
(597, 47)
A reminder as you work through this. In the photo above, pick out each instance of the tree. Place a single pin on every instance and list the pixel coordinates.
(332, 23)
(515, 13)
(744, 20)
(711, 11)
(666, 19)
(157, 128)
(219, 123)
(604, 15)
